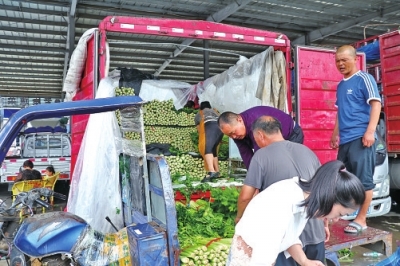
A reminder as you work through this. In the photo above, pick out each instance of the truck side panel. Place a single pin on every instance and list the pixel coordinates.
(86, 92)
(390, 54)
(316, 80)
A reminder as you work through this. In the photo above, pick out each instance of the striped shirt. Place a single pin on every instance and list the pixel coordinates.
(353, 96)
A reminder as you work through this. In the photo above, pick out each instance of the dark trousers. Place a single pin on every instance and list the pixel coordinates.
(313, 252)
(297, 134)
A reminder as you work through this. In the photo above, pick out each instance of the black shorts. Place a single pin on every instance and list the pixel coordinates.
(213, 137)
(359, 160)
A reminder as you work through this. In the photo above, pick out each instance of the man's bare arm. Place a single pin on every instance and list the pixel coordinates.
(246, 194)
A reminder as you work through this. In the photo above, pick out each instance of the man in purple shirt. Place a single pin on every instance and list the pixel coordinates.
(239, 128)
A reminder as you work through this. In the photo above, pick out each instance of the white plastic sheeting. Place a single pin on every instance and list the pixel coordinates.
(95, 191)
(260, 80)
(77, 63)
(164, 90)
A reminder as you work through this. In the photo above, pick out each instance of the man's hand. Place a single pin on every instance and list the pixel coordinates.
(327, 232)
(334, 143)
(245, 196)
(368, 139)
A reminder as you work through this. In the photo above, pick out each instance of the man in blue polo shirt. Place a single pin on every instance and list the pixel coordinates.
(359, 106)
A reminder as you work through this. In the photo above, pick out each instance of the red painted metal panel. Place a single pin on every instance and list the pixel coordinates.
(194, 29)
(317, 78)
(79, 122)
(390, 61)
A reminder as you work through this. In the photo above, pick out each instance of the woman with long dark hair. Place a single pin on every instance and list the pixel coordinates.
(275, 218)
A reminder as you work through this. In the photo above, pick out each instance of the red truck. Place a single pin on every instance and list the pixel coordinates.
(315, 74)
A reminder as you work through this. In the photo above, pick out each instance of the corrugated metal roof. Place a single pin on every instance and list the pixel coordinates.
(37, 37)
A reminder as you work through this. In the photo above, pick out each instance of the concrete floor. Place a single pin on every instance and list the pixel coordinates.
(389, 222)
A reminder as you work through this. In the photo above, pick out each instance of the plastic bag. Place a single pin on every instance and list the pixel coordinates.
(132, 78)
(95, 191)
(131, 119)
(96, 249)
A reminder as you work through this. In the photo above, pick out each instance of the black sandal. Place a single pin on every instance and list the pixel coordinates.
(210, 177)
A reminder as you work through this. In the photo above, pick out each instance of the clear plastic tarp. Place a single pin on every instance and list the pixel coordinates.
(260, 80)
(96, 249)
(164, 90)
(95, 191)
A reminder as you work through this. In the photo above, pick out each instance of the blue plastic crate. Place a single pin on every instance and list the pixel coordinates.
(148, 247)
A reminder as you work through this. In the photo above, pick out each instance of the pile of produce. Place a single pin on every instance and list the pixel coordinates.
(163, 113)
(186, 164)
(178, 137)
(166, 125)
(213, 252)
(204, 226)
(210, 219)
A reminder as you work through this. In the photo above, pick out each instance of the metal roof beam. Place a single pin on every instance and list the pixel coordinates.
(50, 94)
(119, 59)
(129, 10)
(31, 10)
(32, 56)
(24, 86)
(32, 21)
(20, 75)
(42, 73)
(31, 48)
(28, 65)
(26, 30)
(30, 39)
(28, 83)
(216, 17)
(70, 45)
(13, 88)
(321, 33)
(23, 60)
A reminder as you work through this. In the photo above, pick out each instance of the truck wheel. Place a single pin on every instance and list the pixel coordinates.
(55, 260)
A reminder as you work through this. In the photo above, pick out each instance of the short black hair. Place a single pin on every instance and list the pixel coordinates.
(227, 118)
(204, 105)
(330, 185)
(27, 175)
(50, 168)
(36, 174)
(28, 163)
(189, 104)
(268, 124)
